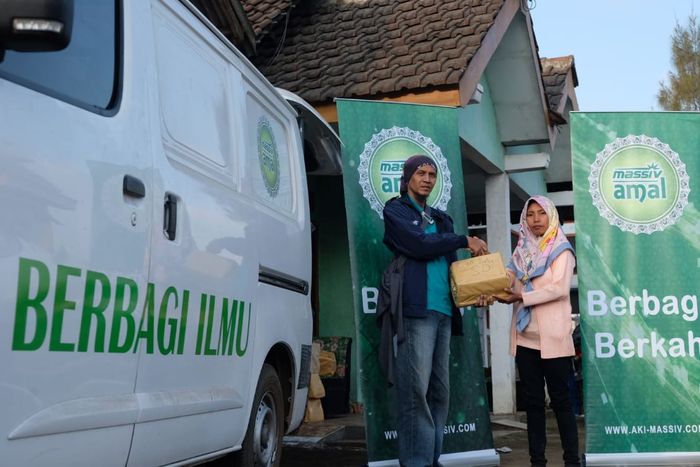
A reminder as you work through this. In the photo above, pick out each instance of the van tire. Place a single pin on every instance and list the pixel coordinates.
(262, 445)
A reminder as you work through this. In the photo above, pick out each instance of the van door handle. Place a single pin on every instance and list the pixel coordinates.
(133, 187)
(170, 216)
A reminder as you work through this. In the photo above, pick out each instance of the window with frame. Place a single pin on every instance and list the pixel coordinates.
(84, 73)
(194, 83)
(269, 156)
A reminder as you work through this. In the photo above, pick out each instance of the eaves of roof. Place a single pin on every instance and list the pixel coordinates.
(559, 76)
(230, 18)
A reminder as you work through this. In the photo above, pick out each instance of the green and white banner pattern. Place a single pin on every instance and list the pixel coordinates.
(638, 241)
(377, 138)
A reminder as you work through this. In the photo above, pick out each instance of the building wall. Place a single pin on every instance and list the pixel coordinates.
(531, 182)
(478, 127)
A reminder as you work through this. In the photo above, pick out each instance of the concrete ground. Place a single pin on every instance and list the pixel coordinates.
(339, 442)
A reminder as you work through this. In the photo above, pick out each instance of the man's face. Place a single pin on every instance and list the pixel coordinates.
(422, 182)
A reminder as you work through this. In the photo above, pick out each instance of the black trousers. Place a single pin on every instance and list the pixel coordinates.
(534, 371)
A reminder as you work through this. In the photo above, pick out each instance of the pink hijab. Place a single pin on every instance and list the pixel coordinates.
(533, 255)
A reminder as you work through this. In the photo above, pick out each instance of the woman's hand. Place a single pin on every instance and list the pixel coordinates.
(477, 246)
(511, 296)
(484, 301)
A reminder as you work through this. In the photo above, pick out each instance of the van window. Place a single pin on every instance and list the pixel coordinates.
(268, 156)
(195, 97)
(84, 73)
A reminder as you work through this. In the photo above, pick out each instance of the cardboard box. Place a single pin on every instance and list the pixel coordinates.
(315, 354)
(316, 389)
(314, 411)
(327, 364)
(479, 275)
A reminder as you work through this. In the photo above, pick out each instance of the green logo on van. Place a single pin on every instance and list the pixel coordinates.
(268, 157)
(381, 164)
(639, 184)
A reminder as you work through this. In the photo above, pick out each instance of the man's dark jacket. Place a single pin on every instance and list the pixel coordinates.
(403, 235)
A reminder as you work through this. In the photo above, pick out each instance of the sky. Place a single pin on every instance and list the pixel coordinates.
(621, 48)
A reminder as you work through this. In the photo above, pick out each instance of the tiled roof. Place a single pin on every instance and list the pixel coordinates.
(364, 48)
(554, 72)
(264, 13)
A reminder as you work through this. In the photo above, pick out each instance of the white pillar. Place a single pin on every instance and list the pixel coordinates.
(499, 239)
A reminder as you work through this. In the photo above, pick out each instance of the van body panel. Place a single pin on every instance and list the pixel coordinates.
(276, 306)
(110, 411)
(137, 322)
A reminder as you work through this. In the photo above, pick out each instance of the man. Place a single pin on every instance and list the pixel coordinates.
(425, 236)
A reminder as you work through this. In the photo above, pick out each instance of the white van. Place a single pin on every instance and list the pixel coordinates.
(154, 243)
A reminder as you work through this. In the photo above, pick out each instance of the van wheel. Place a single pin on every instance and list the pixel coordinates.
(262, 446)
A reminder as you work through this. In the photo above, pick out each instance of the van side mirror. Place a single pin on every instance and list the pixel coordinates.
(35, 25)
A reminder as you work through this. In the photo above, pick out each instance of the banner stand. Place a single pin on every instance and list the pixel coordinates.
(636, 199)
(377, 138)
(485, 457)
(646, 458)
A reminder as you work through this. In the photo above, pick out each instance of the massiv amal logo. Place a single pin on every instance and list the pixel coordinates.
(269, 157)
(381, 164)
(639, 184)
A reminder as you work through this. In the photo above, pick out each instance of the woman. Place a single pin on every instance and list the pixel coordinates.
(541, 269)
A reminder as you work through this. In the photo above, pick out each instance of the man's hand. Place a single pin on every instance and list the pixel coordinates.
(511, 296)
(477, 246)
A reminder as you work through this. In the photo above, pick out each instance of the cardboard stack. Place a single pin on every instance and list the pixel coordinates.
(314, 409)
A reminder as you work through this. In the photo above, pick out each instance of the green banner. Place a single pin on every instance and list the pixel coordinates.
(377, 138)
(638, 241)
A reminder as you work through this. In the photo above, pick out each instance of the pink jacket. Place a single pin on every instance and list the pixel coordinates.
(551, 306)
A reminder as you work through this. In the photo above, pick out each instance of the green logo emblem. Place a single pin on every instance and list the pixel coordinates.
(381, 164)
(639, 184)
(268, 157)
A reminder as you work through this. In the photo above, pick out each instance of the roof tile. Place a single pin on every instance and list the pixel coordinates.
(422, 48)
(401, 60)
(456, 63)
(263, 13)
(379, 73)
(361, 89)
(409, 81)
(431, 67)
(428, 57)
(434, 79)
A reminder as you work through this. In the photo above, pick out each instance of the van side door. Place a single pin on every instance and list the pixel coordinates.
(195, 357)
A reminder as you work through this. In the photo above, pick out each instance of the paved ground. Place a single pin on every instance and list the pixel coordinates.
(340, 443)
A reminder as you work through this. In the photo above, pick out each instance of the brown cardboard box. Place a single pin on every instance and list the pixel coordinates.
(327, 363)
(314, 411)
(315, 354)
(472, 277)
(316, 389)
